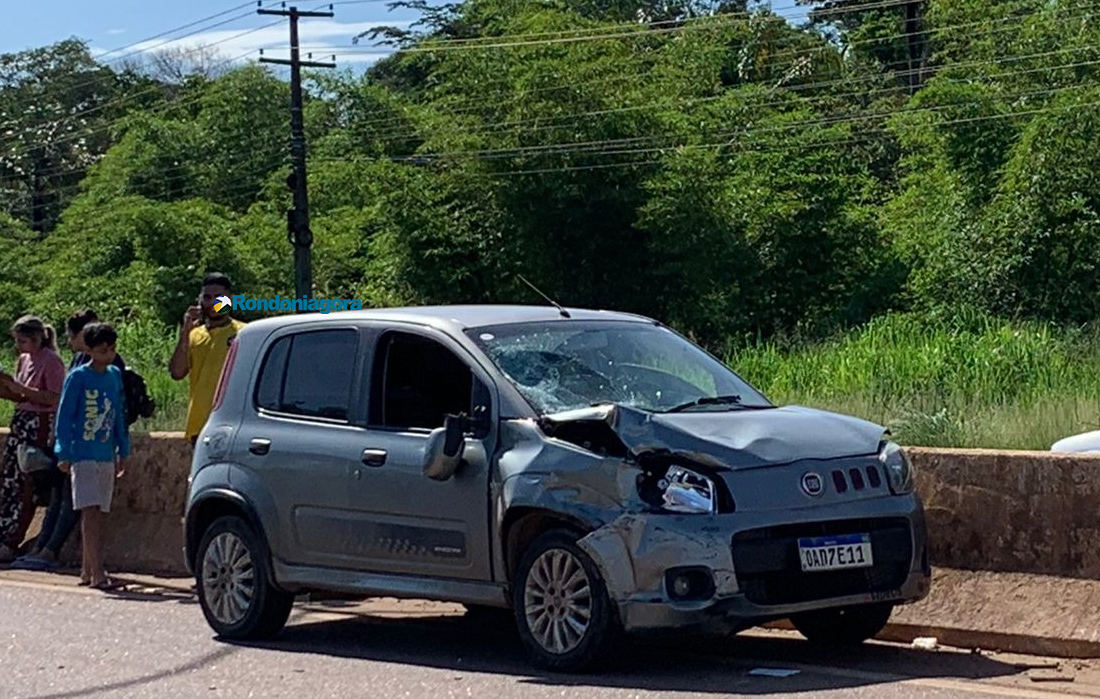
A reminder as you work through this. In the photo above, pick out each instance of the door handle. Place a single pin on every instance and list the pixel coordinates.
(374, 457)
(259, 446)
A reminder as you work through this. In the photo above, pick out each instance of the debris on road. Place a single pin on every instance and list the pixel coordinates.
(1038, 666)
(926, 643)
(1048, 676)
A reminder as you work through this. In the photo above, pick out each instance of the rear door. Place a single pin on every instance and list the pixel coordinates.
(301, 441)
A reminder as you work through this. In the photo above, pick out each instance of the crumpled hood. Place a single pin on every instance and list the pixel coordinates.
(737, 439)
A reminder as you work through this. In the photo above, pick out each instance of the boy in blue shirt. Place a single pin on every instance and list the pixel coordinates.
(93, 443)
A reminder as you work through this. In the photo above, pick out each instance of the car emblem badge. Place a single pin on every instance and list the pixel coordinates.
(812, 485)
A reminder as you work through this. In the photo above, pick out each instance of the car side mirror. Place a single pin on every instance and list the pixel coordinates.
(443, 452)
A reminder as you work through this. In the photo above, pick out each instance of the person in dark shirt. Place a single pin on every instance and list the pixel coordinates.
(75, 329)
(61, 519)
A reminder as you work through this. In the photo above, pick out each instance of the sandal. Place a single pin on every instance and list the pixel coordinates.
(108, 584)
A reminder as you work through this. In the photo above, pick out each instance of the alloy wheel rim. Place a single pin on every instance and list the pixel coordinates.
(228, 578)
(557, 600)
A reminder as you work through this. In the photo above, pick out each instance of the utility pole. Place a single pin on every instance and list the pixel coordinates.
(301, 237)
(916, 45)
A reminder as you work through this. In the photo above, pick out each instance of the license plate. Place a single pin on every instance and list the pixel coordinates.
(835, 552)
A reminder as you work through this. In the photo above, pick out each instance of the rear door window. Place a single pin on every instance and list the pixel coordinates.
(310, 374)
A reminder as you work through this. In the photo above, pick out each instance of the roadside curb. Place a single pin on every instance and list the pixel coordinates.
(979, 640)
(1004, 612)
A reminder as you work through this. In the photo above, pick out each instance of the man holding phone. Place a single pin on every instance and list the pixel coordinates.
(200, 353)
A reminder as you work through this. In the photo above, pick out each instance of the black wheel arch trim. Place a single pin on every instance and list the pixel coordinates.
(193, 536)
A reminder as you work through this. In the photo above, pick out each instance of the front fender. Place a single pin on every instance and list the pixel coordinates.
(552, 493)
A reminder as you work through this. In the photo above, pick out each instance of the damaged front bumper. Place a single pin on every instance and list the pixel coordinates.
(739, 570)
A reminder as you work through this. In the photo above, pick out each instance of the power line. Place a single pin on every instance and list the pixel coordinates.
(167, 181)
(948, 67)
(574, 119)
(176, 29)
(497, 127)
(830, 142)
(640, 30)
(719, 19)
(584, 147)
(186, 52)
(822, 48)
(474, 105)
(587, 146)
(150, 90)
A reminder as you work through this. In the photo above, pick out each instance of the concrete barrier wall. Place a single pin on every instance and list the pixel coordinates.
(1022, 512)
(1012, 511)
(145, 528)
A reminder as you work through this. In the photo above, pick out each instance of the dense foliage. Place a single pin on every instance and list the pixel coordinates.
(743, 176)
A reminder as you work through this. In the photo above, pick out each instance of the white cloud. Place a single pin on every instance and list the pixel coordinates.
(116, 32)
(321, 36)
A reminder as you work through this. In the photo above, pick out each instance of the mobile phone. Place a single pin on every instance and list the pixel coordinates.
(202, 316)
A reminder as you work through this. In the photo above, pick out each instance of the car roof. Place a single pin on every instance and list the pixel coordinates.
(457, 318)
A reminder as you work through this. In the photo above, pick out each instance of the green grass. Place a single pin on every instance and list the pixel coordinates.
(969, 381)
(965, 381)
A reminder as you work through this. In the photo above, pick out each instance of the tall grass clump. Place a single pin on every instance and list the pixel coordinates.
(967, 380)
(147, 345)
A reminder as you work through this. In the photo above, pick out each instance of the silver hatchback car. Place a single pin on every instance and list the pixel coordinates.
(595, 472)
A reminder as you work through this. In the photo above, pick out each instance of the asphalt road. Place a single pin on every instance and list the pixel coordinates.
(65, 643)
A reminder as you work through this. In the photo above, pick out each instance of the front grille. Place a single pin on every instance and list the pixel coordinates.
(769, 572)
(855, 479)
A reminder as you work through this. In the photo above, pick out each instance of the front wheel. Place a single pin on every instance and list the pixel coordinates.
(234, 583)
(847, 626)
(564, 614)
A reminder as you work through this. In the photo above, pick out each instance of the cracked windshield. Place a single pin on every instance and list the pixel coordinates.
(564, 366)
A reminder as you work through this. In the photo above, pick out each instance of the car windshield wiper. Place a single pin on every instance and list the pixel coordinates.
(707, 400)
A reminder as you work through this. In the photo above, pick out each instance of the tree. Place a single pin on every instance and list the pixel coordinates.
(55, 105)
(176, 65)
(890, 35)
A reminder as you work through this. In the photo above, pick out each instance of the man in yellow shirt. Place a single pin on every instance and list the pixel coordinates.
(201, 350)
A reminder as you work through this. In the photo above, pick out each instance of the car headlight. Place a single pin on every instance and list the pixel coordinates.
(899, 472)
(688, 492)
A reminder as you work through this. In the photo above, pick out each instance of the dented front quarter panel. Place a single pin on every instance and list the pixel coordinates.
(634, 545)
(559, 477)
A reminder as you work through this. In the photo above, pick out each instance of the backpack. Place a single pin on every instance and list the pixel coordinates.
(138, 401)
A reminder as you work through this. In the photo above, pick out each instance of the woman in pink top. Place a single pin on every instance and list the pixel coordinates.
(35, 389)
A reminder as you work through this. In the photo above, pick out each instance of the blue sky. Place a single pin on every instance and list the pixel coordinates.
(112, 24)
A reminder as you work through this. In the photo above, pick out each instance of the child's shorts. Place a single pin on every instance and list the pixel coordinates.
(93, 485)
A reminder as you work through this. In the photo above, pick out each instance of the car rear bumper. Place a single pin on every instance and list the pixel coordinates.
(747, 564)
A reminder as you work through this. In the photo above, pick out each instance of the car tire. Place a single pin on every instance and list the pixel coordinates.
(233, 578)
(564, 614)
(847, 626)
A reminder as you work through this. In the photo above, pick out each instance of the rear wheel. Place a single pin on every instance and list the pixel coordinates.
(234, 583)
(847, 626)
(564, 614)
